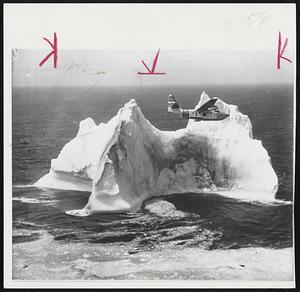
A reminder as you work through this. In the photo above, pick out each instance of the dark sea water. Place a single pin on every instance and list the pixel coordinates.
(45, 119)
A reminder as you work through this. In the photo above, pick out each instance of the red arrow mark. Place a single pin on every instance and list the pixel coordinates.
(53, 52)
(280, 51)
(152, 71)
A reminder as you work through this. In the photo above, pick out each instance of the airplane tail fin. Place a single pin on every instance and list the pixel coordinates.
(173, 106)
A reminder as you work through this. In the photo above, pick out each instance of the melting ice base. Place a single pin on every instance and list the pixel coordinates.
(127, 160)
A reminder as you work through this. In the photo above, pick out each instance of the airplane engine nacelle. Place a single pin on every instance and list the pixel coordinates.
(185, 114)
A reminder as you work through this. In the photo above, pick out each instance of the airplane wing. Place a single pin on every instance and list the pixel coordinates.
(207, 105)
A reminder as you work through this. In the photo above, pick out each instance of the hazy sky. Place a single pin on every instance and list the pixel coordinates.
(189, 67)
(199, 43)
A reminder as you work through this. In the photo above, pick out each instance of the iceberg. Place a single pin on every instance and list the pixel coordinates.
(127, 160)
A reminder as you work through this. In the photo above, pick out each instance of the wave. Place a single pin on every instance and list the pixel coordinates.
(34, 200)
(257, 198)
(23, 186)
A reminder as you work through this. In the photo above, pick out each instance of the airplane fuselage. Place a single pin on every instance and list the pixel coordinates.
(209, 115)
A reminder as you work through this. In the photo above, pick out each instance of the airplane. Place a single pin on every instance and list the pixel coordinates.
(152, 71)
(206, 112)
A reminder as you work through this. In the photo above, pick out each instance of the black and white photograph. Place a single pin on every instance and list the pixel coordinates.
(150, 142)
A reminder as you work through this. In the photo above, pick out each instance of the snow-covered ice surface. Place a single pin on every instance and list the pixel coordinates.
(127, 160)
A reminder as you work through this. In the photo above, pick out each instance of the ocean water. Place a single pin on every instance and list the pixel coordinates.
(45, 119)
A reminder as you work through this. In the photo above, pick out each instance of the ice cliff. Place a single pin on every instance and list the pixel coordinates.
(128, 160)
